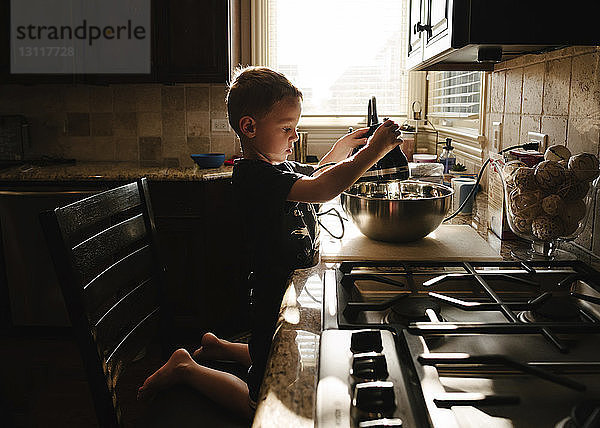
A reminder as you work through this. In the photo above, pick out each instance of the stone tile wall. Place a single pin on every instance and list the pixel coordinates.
(151, 123)
(556, 93)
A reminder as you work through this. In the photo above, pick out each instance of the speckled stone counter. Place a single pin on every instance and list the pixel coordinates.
(288, 392)
(110, 171)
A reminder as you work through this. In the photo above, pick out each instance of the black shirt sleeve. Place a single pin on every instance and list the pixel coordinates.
(267, 183)
(302, 168)
(275, 183)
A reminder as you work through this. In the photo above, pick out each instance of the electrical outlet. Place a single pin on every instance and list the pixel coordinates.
(219, 125)
(496, 136)
(541, 139)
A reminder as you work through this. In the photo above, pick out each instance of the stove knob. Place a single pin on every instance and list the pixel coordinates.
(376, 398)
(369, 366)
(366, 341)
(381, 423)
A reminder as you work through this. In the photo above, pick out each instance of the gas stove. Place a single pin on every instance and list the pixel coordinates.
(460, 344)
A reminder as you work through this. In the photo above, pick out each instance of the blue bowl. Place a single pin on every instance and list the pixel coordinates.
(209, 160)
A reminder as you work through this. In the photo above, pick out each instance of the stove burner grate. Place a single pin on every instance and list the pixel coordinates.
(555, 308)
(545, 314)
(583, 414)
(414, 309)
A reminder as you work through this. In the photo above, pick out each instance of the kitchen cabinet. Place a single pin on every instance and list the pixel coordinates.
(431, 26)
(198, 240)
(192, 41)
(415, 33)
(429, 33)
(437, 36)
(196, 225)
(5, 76)
(190, 44)
(470, 35)
(26, 271)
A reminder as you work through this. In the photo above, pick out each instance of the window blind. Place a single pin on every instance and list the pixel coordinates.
(454, 95)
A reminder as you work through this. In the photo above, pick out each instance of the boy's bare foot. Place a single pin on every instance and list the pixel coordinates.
(211, 348)
(169, 374)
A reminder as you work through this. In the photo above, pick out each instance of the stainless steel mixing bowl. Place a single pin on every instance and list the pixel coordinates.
(397, 211)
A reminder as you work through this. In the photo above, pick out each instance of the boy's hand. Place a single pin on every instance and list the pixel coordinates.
(344, 146)
(385, 138)
(330, 182)
(353, 139)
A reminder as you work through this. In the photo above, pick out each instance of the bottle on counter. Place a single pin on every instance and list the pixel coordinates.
(447, 157)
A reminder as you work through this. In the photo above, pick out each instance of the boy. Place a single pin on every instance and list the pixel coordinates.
(275, 198)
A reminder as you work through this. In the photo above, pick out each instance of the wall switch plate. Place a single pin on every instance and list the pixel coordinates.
(496, 136)
(541, 139)
(219, 125)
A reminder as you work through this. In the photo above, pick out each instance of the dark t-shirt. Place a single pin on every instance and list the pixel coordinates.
(280, 234)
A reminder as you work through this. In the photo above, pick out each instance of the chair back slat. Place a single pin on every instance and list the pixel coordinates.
(125, 273)
(105, 255)
(130, 346)
(97, 208)
(96, 253)
(115, 325)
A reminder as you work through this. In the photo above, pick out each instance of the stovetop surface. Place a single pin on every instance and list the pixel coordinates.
(470, 298)
(543, 315)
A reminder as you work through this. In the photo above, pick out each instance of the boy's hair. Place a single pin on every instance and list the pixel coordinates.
(253, 92)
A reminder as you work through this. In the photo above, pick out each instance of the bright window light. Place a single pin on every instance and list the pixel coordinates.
(341, 52)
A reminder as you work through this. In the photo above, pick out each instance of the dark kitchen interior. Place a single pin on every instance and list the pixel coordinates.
(466, 326)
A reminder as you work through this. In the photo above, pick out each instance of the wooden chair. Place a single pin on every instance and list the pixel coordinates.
(105, 255)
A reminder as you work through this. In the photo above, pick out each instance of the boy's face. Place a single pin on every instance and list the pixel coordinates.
(275, 133)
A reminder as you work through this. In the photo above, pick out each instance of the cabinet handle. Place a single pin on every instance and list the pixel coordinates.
(420, 27)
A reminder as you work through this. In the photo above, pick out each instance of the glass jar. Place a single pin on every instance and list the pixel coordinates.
(548, 204)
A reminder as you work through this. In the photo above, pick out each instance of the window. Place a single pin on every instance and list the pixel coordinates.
(341, 52)
(454, 98)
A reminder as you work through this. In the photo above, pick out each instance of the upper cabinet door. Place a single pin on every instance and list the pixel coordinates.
(190, 43)
(416, 29)
(437, 18)
(438, 38)
(193, 42)
(6, 52)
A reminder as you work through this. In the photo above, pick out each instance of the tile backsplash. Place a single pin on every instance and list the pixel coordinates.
(151, 123)
(555, 93)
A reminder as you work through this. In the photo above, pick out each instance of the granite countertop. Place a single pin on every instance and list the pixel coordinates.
(110, 171)
(288, 392)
